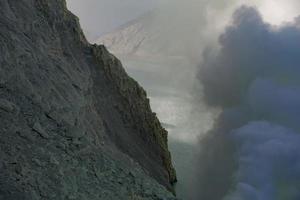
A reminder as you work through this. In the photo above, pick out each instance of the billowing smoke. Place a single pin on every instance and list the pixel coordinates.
(252, 76)
(253, 152)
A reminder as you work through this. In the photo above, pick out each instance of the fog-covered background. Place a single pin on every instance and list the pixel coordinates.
(223, 78)
(102, 16)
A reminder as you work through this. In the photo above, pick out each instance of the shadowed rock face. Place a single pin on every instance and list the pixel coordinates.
(73, 125)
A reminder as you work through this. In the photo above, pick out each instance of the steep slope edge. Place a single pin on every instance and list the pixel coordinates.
(70, 114)
(151, 139)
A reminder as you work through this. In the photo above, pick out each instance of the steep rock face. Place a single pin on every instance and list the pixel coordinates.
(150, 139)
(73, 124)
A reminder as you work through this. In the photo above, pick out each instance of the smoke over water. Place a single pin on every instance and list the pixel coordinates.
(250, 75)
(253, 151)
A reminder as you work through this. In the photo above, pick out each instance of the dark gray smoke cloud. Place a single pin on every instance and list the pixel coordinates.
(253, 152)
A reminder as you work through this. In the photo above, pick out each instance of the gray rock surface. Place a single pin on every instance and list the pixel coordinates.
(73, 125)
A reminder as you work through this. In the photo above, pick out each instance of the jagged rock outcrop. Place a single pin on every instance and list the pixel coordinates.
(73, 125)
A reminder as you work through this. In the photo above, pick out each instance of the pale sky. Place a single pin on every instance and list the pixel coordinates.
(102, 16)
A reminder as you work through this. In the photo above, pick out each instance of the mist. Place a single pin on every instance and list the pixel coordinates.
(102, 16)
(224, 77)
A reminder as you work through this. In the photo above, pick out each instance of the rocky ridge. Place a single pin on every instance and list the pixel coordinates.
(73, 125)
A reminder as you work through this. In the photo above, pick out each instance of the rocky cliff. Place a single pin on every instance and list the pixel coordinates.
(73, 125)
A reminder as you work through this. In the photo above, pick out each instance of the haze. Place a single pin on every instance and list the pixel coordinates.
(102, 16)
(223, 78)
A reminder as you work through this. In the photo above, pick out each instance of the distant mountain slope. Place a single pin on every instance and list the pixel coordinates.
(128, 38)
(156, 33)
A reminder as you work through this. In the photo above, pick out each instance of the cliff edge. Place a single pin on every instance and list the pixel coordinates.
(73, 125)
